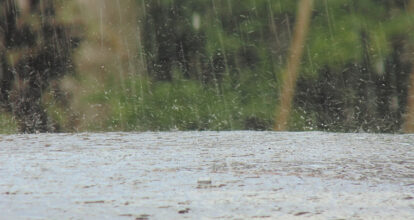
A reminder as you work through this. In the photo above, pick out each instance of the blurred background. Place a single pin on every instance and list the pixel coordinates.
(162, 65)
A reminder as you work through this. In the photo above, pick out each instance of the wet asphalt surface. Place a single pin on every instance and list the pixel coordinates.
(207, 175)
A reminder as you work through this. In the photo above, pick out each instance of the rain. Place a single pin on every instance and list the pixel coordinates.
(191, 70)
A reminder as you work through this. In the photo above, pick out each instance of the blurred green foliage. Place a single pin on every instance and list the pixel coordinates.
(7, 124)
(35, 52)
(356, 64)
(178, 105)
(217, 65)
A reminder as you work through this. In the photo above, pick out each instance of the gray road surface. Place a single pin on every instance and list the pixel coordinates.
(207, 175)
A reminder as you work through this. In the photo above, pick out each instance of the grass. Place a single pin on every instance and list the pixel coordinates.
(7, 124)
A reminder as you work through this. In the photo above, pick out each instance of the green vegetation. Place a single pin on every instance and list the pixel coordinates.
(180, 104)
(217, 65)
(7, 124)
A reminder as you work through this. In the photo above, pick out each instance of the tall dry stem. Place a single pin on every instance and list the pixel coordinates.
(293, 63)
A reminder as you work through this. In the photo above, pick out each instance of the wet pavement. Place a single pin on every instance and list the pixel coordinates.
(207, 175)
